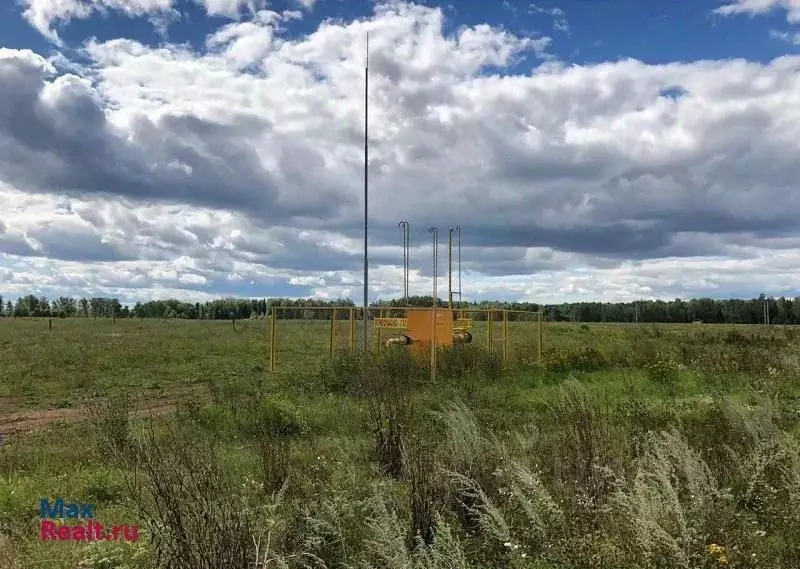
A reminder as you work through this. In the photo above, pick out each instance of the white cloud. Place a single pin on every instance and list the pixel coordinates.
(45, 14)
(307, 5)
(245, 43)
(232, 8)
(560, 23)
(793, 39)
(160, 169)
(759, 7)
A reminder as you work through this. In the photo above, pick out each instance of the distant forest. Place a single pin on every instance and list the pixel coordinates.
(743, 311)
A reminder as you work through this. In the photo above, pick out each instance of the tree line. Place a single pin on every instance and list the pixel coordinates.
(780, 310)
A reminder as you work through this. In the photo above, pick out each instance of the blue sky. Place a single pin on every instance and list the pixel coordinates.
(592, 150)
(653, 31)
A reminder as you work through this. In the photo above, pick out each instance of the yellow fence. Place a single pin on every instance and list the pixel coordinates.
(301, 338)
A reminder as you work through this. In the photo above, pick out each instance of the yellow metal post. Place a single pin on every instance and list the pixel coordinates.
(433, 341)
(273, 348)
(489, 331)
(505, 337)
(435, 232)
(380, 331)
(332, 335)
(352, 331)
(541, 335)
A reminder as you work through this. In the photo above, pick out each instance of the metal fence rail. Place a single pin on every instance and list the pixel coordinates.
(518, 336)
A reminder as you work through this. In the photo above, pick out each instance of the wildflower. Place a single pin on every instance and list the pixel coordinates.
(714, 549)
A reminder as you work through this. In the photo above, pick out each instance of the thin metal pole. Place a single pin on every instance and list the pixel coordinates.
(366, 186)
(435, 232)
(450, 269)
(408, 258)
(404, 225)
(458, 228)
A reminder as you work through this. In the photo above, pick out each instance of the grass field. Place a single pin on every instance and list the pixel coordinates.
(628, 446)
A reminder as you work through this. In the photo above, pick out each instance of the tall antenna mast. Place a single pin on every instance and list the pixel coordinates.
(366, 185)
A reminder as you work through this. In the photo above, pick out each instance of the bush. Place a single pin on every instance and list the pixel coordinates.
(339, 374)
(665, 372)
(111, 416)
(274, 423)
(585, 449)
(584, 359)
(425, 493)
(194, 518)
(462, 360)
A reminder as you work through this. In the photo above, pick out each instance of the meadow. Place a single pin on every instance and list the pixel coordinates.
(620, 446)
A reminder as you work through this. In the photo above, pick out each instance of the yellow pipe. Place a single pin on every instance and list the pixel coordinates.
(462, 337)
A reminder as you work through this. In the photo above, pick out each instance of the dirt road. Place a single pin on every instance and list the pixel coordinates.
(14, 423)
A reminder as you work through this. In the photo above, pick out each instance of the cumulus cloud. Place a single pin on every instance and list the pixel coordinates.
(759, 7)
(164, 168)
(45, 15)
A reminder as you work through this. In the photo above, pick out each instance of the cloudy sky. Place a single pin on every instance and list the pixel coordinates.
(590, 149)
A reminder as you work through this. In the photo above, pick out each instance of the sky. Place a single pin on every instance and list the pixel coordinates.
(589, 150)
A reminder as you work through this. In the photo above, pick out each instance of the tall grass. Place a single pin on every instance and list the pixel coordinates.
(653, 452)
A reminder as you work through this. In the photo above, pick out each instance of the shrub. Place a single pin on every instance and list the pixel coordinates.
(274, 423)
(339, 374)
(425, 493)
(585, 359)
(194, 518)
(665, 372)
(385, 382)
(111, 416)
(462, 360)
(581, 453)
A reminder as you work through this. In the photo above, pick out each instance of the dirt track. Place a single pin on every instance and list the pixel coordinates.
(20, 422)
